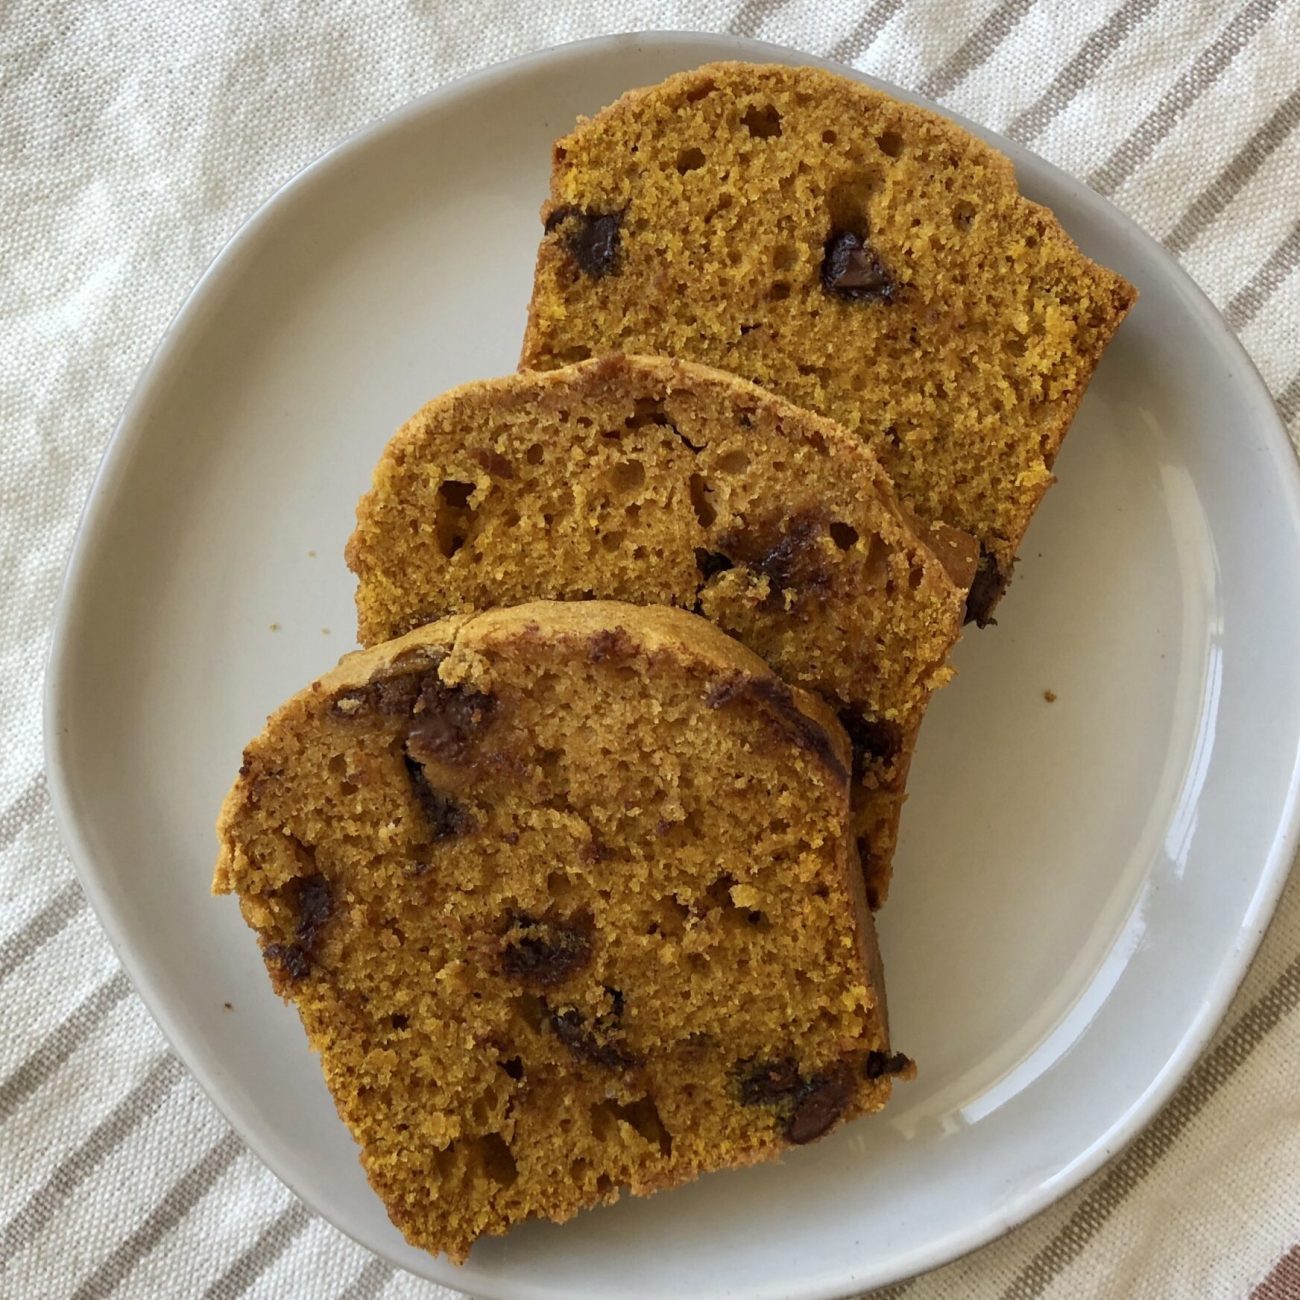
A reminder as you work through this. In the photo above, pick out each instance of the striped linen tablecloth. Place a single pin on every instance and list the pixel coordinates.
(135, 136)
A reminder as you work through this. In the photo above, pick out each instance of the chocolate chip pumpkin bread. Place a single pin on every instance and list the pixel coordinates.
(862, 257)
(566, 898)
(656, 482)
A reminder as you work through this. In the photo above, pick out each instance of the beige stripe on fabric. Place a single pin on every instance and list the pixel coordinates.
(47, 1059)
(861, 36)
(1151, 1145)
(184, 1195)
(41, 928)
(977, 48)
(751, 16)
(1248, 301)
(1228, 183)
(1288, 401)
(1081, 69)
(23, 811)
(1207, 68)
(74, 1169)
(369, 1284)
(271, 1243)
(1283, 1283)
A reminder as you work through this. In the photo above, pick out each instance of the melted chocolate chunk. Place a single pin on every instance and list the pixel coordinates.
(711, 562)
(808, 1106)
(767, 1083)
(592, 238)
(817, 1108)
(851, 269)
(873, 740)
(543, 953)
(446, 817)
(986, 590)
(292, 958)
(610, 643)
(446, 721)
(591, 1044)
(395, 696)
(787, 552)
(314, 908)
(312, 902)
(780, 710)
(880, 1064)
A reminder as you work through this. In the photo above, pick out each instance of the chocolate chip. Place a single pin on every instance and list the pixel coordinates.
(711, 562)
(445, 817)
(571, 1029)
(394, 695)
(312, 903)
(786, 551)
(446, 721)
(986, 590)
(545, 952)
(851, 269)
(808, 1106)
(780, 711)
(610, 643)
(592, 238)
(880, 1064)
(314, 906)
(292, 958)
(767, 1083)
(820, 1103)
(874, 740)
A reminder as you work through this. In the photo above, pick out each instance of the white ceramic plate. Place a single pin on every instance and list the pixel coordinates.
(1080, 884)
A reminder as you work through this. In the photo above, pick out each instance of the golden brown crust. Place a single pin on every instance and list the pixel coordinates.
(960, 345)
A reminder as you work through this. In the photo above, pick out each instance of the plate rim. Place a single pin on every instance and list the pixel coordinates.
(113, 472)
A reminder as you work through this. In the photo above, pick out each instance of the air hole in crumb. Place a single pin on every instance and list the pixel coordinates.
(843, 535)
(604, 1185)
(733, 462)
(829, 137)
(963, 214)
(700, 503)
(338, 765)
(697, 93)
(626, 476)
(643, 1116)
(611, 541)
(498, 1163)
(689, 160)
(719, 892)
(1014, 346)
(890, 143)
(348, 787)
(514, 1067)
(399, 1021)
(763, 121)
(784, 258)
(456, 493)
(915, 577)
(779, 292)
(534, 454)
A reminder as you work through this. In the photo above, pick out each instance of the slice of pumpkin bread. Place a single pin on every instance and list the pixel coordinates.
(566, 897)
(657, 482)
